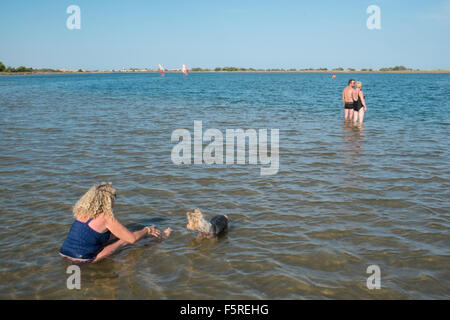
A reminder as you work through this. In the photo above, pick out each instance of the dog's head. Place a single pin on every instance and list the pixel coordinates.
(193, 219)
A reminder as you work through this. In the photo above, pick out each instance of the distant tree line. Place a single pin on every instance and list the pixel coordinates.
(396, 68)
(218, 69)
(23, 69)
(11, 69)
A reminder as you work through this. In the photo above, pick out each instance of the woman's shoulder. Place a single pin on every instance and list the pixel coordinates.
(103, 217)
(100, 218)
(99, 223)
(82, 219)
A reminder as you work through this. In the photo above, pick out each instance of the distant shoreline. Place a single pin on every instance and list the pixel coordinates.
(239, 71)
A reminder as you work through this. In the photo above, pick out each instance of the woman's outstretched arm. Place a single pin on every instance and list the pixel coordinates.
(110, 249)
(121, 232)
(124, 236)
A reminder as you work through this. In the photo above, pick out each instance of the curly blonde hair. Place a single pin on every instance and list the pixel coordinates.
(98, 199)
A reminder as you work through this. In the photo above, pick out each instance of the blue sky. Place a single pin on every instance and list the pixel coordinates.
(209, 33)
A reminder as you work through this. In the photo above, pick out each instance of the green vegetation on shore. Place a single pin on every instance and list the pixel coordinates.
(396, 68)
(11, 69)
(338, 69)
(22, 69)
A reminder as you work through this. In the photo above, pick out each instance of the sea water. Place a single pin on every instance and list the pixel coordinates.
(344, 198)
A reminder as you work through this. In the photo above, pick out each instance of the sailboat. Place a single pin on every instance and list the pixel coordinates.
(184, 70)
(161, 69)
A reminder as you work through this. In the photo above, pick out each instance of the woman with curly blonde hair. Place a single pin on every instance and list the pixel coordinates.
(95, 226)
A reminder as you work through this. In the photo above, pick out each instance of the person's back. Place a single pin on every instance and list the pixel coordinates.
(358, 103)
(83, 241)
(348, 97)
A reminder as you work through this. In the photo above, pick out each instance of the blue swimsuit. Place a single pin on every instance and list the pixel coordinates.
(83, 242)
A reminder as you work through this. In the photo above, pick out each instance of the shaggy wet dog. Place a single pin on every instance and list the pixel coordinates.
(206, 229)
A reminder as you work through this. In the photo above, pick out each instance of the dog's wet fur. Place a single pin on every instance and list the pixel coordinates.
(206, 229)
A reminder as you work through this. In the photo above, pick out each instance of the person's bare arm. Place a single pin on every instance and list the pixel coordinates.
(126, 235)
(343, 96)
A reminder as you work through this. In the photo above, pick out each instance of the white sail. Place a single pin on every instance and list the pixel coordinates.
(161, 69)
(184, 69)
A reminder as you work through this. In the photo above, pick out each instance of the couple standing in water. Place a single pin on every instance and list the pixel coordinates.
(354, 103)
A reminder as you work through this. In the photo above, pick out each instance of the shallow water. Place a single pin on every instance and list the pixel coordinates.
(344, 197)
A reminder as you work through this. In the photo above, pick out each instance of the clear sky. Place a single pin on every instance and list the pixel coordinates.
(209, 33)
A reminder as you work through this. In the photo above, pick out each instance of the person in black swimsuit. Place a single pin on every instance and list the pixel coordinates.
(348, 98)
(359, 106)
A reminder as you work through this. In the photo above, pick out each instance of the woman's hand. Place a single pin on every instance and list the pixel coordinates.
(153, 231)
